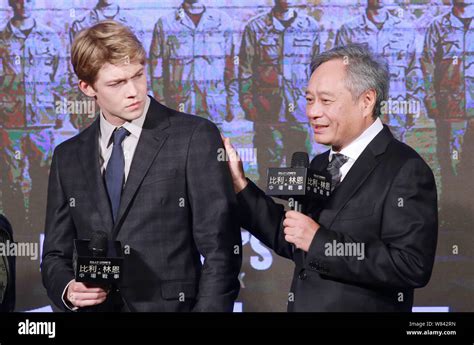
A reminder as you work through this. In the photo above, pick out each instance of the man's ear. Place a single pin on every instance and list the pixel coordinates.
(87, 88)
(368, 102)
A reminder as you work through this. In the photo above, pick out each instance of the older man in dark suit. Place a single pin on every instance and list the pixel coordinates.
(150, 177)
(374, 240)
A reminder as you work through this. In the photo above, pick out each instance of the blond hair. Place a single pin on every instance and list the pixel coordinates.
(104, 42)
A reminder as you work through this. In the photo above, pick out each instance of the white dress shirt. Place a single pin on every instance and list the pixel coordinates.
(105, 145)
(129, 144)
(356, 147)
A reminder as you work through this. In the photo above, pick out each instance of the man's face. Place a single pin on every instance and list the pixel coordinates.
(335, 117)
(120, 91)
(463, 3)
(379, 4)
(286, 4)
(465, 8)
(22, 8)
(107, 2)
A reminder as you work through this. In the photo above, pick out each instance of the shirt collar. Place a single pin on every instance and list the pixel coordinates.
(183, 17)
(356, 147)
(17, 32)
(277, 25)
(99, 14)
(388, 23)
(457, 22)
(134, 127)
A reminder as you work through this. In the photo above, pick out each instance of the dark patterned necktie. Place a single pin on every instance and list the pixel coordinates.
(334, 168)
(115, 171)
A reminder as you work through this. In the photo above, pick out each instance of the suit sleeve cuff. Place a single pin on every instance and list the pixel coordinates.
(248, 193)
(65, 302)
(246, 199)
(315, 258)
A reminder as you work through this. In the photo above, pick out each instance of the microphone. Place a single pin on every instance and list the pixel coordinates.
(298, 160)
(98, 244)
(98, 260)
(298, 184)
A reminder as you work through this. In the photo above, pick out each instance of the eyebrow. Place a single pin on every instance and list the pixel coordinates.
(122, 79)
(326, 93)
(321, 93)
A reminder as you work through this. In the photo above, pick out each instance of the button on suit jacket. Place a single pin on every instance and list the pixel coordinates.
(388, 203)
(177, 203)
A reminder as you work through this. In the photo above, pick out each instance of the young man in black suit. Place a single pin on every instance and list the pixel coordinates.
(150, 177)
(373, 242)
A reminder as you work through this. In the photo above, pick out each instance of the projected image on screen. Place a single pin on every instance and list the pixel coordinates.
(245, 65)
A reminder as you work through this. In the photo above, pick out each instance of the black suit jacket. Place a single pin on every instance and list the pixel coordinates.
(388, 202)
(177, 203)
(8, 264)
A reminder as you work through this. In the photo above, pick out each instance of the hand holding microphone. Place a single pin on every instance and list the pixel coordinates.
(299, 229)
(300, 185)
(97, 267)
(85, 295)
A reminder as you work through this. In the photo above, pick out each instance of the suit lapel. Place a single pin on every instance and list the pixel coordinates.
(90, 163)
(320, 163)
(150, 143)
(357, 175)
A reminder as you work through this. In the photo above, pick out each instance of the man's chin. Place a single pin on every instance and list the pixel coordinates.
(132, 115)
(321, 139)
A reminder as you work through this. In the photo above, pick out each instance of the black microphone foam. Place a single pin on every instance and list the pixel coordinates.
(98, 244)
(300, 160)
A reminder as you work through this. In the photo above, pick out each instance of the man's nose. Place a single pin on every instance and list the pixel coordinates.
(313, 111)
(131, 89)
